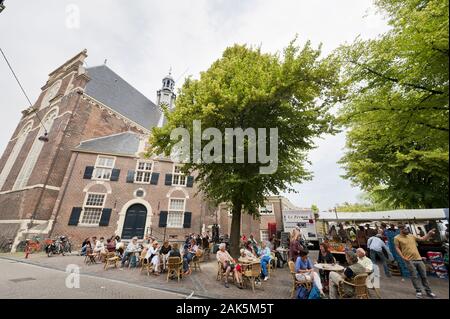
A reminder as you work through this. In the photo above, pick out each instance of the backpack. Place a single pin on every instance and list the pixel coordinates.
(314, 293)
(302, 293)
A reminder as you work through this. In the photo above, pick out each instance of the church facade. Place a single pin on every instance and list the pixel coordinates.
(82, 172)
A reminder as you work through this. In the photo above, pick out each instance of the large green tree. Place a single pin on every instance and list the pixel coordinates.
(397, 106)
(246, 88)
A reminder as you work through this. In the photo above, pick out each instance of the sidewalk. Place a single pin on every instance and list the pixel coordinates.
(204, 284)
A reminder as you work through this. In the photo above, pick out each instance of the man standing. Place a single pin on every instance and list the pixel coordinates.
(406, 246)
(376, 246)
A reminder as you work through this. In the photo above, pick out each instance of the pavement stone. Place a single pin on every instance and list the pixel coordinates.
(203, 283)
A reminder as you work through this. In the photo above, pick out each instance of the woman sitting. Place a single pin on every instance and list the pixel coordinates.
(189, 253)
(152, 257)
(245, 253)
(86, 247)
(228, 265)
(266, 255)
(325, 257)
(305, 271)
(110, 245)
(164, 252)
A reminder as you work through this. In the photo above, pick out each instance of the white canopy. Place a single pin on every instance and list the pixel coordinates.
(401, 214)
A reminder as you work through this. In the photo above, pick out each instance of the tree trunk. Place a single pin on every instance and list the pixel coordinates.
(235, 233)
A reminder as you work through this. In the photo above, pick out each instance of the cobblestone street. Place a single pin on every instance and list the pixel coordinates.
(49, 275)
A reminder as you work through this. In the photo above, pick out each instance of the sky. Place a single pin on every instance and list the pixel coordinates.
(142, 40)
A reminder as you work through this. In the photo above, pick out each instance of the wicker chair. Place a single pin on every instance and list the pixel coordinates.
(195, 261)
(111, 259)
(359, 285)
(90, 257)
(174, 267)
(251, 274)
(296, 283)
(221, 272)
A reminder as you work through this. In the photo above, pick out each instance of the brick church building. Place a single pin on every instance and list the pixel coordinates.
(83, 172)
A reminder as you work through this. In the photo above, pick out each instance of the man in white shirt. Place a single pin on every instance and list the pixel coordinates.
(376, 246)
(132, 247)
(364, 261)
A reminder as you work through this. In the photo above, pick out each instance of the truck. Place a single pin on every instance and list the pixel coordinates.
(304, 219)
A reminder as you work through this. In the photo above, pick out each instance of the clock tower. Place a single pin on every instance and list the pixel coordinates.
(166, 96)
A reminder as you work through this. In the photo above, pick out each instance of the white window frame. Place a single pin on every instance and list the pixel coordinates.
(103, 168)
(35, 151)
(261, 232)
(80, 223)
(179, 175)
(176, 211)
(143, 172)
(265, 212)
(20, 141)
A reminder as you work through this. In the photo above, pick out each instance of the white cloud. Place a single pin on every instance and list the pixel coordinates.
(143, 39)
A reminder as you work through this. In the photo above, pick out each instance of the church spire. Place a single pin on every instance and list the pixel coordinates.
(166, 95)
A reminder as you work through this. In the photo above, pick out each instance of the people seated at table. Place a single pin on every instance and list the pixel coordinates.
(110, 245)
(245, 253)
(305, 270)
(132, 247)
(364, 260)
(325, 257)
(120, 246)
(175, 251)
(265, 255)
(85, 247)
(164, 252)
(188, 254)
(354, 268)
(99, 247)
(152, 256)
(249, 247)
(228, 265)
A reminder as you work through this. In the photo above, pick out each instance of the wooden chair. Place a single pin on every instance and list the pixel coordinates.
(111, 259)
(195, 261)
(90, 257)
(272, 265)
(174, 267)
(359, 285)
(251, 273)
(296, 283)
(221, 272)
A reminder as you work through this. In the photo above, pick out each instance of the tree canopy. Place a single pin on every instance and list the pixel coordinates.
(247, 88)
(396, 110)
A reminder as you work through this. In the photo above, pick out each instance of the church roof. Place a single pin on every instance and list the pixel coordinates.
(110, 89)
(126, 143)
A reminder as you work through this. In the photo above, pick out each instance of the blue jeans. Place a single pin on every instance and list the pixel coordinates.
(125, 256)
(373, 257)
(186, 260)
(264, 261)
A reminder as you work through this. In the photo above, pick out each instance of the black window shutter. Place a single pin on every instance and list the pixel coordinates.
(154, 179)
(162, 219)
(115, 175)
(130, 176)
(190, 181)
(168, 180)
(106, 214)
(75, 216)
(187, 220)
(89, 170)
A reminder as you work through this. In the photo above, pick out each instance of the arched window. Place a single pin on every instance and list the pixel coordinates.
(22, 136)
(33, 155)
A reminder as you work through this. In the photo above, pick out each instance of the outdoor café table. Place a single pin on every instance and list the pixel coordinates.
(329, 267)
